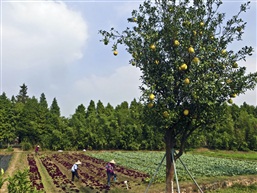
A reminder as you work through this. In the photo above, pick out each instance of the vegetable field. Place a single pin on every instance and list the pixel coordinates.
(199, 166)
(92, 173)
(50, 171)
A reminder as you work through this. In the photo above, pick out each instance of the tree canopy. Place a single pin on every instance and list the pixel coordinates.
(188, 69)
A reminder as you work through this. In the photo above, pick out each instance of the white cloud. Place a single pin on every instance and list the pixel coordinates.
(41, 40)
(41, 34)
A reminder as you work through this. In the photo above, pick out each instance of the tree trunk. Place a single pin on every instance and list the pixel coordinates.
(169, 162)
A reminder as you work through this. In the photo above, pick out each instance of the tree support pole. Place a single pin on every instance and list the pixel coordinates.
(173, 160)
(175, 171)
(191, 176)
(157, 170)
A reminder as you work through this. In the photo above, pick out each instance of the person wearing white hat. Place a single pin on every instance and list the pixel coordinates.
(74, 170)
(110, 172)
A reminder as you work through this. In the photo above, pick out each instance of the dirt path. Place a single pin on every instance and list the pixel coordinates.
(14, 165)
(19, 162)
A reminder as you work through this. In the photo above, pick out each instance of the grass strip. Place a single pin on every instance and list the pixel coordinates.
(250, 155)
(237, 188)
(46, 179)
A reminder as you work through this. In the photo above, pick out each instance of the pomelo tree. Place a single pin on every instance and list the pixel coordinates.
(189, 70)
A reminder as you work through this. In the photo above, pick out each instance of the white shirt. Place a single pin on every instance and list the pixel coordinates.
(74, 168)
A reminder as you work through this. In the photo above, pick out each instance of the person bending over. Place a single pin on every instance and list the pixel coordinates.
(74, 170)
(110, 172)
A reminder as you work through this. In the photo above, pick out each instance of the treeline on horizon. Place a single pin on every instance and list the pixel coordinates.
(28, 120)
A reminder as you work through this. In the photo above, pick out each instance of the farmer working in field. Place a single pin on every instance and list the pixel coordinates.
(110, 172)
(36, 150)
(74, 170)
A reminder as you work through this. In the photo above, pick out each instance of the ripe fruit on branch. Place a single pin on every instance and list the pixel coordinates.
(183, 67)
(234, 65)
(201, 24)
(186, 112)
(150, 105)
(176, 43)
(151, 97)
(191, 50)
(165, 114)
(152, 46)
(223, 52)
(115, 52)
(196, 60)
(187, 81)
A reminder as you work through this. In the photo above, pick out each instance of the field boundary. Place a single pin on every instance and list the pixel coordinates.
(218, 184)
(12, 168)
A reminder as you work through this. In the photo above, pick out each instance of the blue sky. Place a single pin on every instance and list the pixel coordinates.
(53, 47)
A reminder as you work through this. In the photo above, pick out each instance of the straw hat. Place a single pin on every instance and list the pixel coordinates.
(78, 162)
(112, 162)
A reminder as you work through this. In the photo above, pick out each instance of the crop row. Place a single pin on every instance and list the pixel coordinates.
(62, 183)
(93, 171)
(118, 168)
(34, 174)
(87, 178)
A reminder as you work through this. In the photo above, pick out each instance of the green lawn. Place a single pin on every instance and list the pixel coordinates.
(251, 155)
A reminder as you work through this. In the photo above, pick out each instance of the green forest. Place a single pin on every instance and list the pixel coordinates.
(28, 121)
